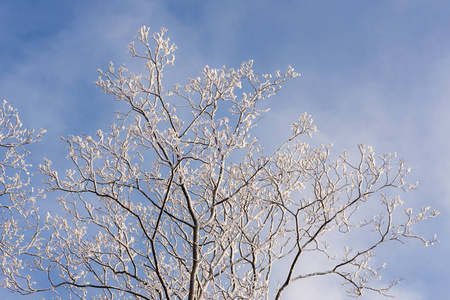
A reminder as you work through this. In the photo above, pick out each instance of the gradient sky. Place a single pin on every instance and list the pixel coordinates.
(373, 72)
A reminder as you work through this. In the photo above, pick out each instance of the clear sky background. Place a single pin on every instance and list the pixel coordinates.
(373, 72)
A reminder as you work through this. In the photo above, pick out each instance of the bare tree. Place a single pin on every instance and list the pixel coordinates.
(180, 201)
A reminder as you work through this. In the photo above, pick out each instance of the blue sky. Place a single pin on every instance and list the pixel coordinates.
(373, 72)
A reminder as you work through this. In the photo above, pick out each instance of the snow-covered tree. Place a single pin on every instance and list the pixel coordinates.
(179, 200)
(18, 214)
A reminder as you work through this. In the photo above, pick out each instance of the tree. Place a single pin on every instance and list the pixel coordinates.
(180, 201)
(18, 214)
